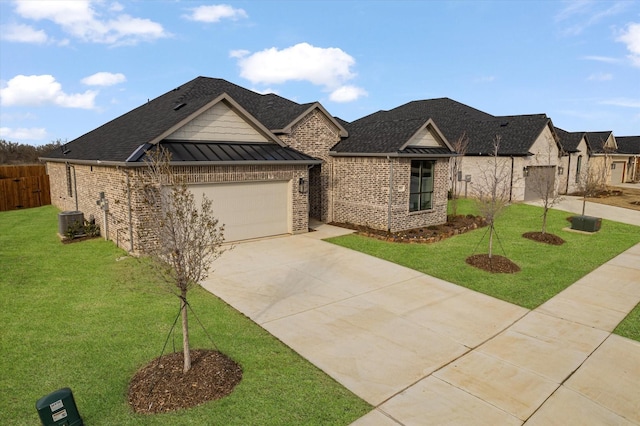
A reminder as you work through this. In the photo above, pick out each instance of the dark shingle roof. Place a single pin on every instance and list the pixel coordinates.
(517, 134)
(597, 140)
(628, 144)
(569, 141)
(119, 138)
(388, 131)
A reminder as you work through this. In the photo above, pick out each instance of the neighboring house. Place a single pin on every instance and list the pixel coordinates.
(227, 141)
(573, 161)
(527, 150)
(630, 145)
(608, 160)
(391, 174)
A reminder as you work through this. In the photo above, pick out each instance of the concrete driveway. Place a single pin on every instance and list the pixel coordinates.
(424, 351)
(374, 326)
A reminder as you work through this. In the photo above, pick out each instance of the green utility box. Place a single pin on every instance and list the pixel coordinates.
(59, 409)
(586, 223)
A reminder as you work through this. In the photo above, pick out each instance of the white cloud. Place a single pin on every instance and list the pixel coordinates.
(81, 20)
(22, 33)
(328, 67)
(215, 13)
(485, 79)
(265, 91)
(38, 90)
(622, 102)
(347, 94)
(239, 53)
(631, 37)
(579, 15)
(34, 133)
(606, 59)
(116, 7)
(104, 79)
(600, 76)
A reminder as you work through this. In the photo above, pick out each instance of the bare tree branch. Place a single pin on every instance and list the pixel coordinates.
(183, 239)
(491, 190)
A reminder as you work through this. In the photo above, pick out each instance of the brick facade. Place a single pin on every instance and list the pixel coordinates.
(342, 189)
(127, 209)
(315, 135)
(361, 190)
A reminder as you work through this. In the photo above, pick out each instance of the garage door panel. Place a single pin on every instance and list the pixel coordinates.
(537, 180)
(617, 172)
(249, 209)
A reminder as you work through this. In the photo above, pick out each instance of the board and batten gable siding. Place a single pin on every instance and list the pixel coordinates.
(219, 123)
(426, 137)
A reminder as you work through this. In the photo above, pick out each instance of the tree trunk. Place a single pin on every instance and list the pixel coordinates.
(185, 332)
(544, 220)
(491, 240)
(584, 203)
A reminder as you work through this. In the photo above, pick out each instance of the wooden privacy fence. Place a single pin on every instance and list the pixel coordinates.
(22, 187)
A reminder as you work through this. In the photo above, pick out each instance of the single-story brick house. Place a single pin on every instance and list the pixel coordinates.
(268, 164)
(391, 173)
(528, 144)
(236, 146)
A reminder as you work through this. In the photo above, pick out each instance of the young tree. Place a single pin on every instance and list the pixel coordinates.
(184, 239)
(491, 189)
(590, 181)
(545, 184)
(460, 147)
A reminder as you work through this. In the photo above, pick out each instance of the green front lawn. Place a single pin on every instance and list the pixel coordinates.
(546, 270)
(85, 316)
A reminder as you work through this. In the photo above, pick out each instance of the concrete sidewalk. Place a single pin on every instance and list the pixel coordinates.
(618, 214)
(558, 365)
(425, 351)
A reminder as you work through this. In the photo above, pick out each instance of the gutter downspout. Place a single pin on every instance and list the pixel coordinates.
(566, 190)
(511, 183)
(130, 214)
(390, 193)
(75, 186)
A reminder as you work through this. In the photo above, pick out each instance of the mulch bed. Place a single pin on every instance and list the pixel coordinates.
(161, 386)
(544, 238)
(494, 264)
(455, 225)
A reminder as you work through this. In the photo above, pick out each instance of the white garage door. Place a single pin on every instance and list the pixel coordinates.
(249, 210)
(617, 171)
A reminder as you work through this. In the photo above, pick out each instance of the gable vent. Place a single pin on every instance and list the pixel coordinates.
(177, 107)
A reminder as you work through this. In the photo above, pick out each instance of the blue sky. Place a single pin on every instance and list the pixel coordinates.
(67, 67)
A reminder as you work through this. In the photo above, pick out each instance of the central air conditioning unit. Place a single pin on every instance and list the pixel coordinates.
(71, 220)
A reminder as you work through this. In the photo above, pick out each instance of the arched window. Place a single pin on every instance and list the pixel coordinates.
(578, 168)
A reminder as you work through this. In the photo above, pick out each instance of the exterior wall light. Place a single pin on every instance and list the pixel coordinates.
(525, 171)
(303, 186)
